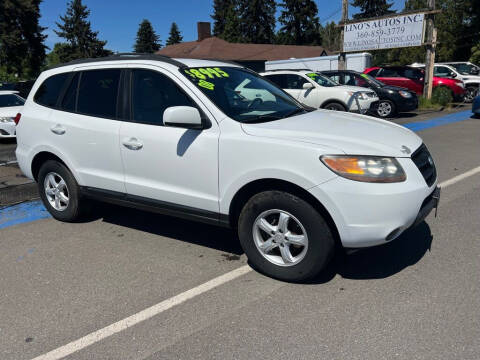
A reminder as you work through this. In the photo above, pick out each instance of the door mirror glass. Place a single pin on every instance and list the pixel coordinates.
(307, 86)
(183, 116)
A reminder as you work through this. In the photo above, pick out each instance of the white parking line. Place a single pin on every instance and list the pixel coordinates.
(460, 177)
(142, 315)
(154, 310)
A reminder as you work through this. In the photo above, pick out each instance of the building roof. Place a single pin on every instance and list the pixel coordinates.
(216, 48)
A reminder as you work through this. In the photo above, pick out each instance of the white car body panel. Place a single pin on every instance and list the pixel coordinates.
(8, 112)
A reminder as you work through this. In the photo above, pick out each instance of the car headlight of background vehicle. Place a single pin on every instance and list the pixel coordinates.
(405, 94)
(6, 119)
(376, 169)
(363, 95)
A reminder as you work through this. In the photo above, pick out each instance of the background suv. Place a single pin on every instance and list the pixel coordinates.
(177, 136)
(413, 79)
(393, 99)
(318, 91)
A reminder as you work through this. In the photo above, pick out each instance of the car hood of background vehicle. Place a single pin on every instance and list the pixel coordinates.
(351, 133)
(11, 111)
(355, 88)
(394, 88)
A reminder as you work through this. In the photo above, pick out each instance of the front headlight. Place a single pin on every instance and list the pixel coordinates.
(375, 169)
(6, 119)
(405, 94)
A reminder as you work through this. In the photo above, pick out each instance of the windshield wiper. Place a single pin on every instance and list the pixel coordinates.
(262, 118)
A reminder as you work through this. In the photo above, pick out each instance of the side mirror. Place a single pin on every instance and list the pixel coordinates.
(453, 75)
(307, 86)
(183, 116)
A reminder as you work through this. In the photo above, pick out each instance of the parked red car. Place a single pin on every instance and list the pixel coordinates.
(413, 78)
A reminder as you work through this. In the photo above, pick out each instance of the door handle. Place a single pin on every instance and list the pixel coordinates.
(132, 143)
(58, 129)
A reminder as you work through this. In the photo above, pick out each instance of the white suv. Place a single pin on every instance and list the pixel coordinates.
(318, 91)
(174, 136)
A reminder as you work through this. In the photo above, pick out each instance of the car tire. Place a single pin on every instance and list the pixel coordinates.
(335, 106)
(385, 109)
(470, 93)
(60, 192)
(281, 253)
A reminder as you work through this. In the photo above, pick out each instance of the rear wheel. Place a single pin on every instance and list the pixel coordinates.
(60, 192)
(284, 237)
(335, 107)
(385, 109)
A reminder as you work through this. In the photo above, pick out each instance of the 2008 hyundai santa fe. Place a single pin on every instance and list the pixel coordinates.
(214, 142)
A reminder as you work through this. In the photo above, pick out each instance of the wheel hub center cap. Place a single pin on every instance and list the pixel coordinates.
(279, 238)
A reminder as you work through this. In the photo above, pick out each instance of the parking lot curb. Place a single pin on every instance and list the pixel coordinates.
(18, 193)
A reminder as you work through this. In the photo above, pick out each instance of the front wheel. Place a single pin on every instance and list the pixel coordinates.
(470, 93)
(284, 237)
(335, 107)
(385, 109)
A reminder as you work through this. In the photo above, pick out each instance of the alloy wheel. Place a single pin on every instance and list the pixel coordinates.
(280, 237)
(56, 191)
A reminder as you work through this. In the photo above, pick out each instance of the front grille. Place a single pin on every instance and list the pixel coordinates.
(424, 161)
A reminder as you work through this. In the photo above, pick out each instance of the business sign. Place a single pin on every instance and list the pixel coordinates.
(387, 33)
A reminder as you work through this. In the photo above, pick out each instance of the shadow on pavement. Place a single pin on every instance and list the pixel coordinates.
(214, 237)
(371, 263)
(381, 261)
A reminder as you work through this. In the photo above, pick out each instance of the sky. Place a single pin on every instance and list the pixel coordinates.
(117, 20)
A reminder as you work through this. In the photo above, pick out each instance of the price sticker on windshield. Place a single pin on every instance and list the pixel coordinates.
(312, 75)
(206, 73)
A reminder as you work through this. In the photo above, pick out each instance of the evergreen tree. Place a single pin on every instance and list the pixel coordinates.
(75, 28)
(475, 57)
(147, 40)
(175, 36)
(22, 49)
(331, 37)
(231, 32)
(372, 8)
(300, 25)
(257, 21)
(221, 9)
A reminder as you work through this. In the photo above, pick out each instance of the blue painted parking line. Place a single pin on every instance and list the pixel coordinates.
(439, 121)
(22, 213)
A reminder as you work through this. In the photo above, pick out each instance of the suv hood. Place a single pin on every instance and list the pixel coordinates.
(349, 133)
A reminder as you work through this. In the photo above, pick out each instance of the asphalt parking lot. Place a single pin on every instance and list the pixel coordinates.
(132, 285)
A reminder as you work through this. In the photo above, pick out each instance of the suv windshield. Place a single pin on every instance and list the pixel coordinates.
(465, 69)
(322, 80)
(371, 80)
(11, 100)
(242, 94)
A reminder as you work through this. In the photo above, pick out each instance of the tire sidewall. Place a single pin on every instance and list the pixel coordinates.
(337, 107)
(320, 238)
(72, 211)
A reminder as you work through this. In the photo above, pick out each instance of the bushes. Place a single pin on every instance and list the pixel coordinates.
(442, 96)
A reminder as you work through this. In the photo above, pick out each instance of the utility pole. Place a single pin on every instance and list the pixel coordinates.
(431, 40)
(342, 61)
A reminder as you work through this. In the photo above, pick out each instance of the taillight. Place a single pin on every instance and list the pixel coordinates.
(17, 118)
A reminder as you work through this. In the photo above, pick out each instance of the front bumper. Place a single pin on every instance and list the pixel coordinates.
(407, 104)
(368, 214)
(7, 130)
(431, 202)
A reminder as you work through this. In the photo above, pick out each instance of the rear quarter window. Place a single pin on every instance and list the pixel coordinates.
(48, 93)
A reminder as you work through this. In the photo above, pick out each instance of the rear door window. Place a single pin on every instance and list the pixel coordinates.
(47, 94)
(69, 102)
(279, 79)
(98, 93)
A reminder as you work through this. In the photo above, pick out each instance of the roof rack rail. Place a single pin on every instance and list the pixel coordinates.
(123, 56)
